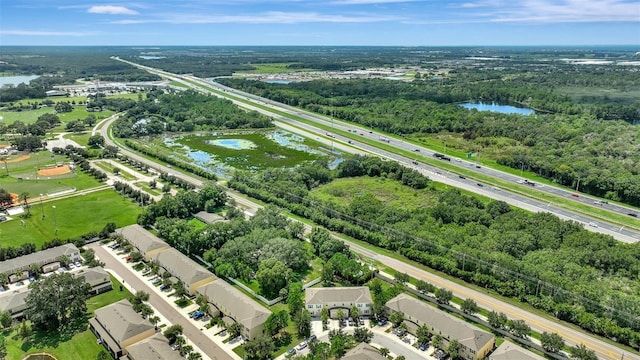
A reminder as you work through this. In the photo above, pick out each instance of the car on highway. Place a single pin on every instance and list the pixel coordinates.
(461, 177)
(479, 184)
(593, 224)
(633, 214)
(575, 195)
(416, 150)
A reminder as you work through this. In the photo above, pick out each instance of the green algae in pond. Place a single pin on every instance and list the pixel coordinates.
(253, 150)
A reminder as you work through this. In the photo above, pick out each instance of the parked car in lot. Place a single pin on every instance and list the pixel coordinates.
(440, 354)
(351, 322)
(311, 338)
(361, 321)
(164, 287)
(301, 346)
(156, 281)
(382, 322)
(291, 352)
(196, 314)
(424, 346)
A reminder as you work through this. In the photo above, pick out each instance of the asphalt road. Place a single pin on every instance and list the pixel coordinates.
(538, 323)
(202, 341)
(620, 233)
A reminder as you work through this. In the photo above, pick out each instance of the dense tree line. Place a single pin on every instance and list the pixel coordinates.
(183, 112)
(535, 257)
(574, 146)
(139, 197)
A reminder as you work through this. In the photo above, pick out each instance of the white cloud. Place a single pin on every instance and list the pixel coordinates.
(368, 2)
(272, 17)
(111, 10)
(557, 11)
(45, 33)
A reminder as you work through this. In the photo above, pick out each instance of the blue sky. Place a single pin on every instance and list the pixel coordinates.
(313, 22)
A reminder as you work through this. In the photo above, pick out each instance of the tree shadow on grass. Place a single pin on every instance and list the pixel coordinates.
(52, 338)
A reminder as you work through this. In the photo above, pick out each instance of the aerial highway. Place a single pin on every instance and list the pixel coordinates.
(276, 111)
(538, 323)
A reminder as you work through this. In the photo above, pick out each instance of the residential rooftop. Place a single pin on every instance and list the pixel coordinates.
(324, 295)
(363, 351)
(182, 267)
(468, 335)
(511, 351)
(141, 239)
(155, 347)
(40, 258)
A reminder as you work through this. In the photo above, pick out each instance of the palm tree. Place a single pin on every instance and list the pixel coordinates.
(154, 320)
(179, 341)
(384, 352)
(186, 349)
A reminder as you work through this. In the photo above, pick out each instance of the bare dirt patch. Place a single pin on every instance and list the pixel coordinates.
(58, 170)
(19, 158)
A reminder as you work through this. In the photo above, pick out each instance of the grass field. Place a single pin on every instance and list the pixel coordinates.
(73, 216)
(108, 167)
(79, 346)
(390, 192)
(30, 116)
(273, 68)
(145, 186)
(81, 139)
(591, 95)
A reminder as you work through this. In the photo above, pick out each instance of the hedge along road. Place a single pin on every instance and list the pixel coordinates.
(538, 323)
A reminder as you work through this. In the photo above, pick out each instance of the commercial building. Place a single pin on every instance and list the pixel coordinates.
(118, 326)
(142, 240)
(192, 274)
(338, 298)
(511, 351)
(48, 260)
(230, 303)
(474, 343)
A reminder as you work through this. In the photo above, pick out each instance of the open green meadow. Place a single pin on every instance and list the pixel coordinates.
(30, 116)
(79, 343)
(74, 216)
(390, 192)
(273, 69)
(80, 138)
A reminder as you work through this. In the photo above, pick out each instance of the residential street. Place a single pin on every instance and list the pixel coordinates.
(201, 340)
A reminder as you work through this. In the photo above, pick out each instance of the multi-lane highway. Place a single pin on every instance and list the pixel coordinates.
(280, 111)
(538, 323)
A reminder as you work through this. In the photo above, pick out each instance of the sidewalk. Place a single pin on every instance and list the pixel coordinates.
(210, 333)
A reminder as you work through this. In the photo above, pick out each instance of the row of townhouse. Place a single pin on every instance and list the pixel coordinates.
(128, 336)
(224, 300)
(47, 260)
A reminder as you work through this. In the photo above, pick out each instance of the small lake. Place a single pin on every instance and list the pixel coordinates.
(15, 80)
(282, 82)
(505, 109)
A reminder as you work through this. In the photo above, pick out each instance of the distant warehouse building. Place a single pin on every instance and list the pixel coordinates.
(474, 342)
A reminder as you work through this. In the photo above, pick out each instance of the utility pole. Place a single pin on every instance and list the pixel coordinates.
(42, 206)
(55, 222)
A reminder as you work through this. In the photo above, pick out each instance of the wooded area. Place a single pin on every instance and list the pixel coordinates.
(554, 265)
(584, 145)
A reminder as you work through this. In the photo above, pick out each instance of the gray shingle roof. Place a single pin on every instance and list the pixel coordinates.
(452, 327)
(41, 258)
(141, 239)
(511, 351)
(359, 294)
(155, 347)
(121, 322)
(363, 352)
(182, 267)
(94, 276)
(12, 301)
(235, 304)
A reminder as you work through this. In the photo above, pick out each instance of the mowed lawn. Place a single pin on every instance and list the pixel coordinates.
(74, 217)
(80, 345)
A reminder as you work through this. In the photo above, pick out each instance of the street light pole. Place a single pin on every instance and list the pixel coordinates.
(42, 206)
(55, 222)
